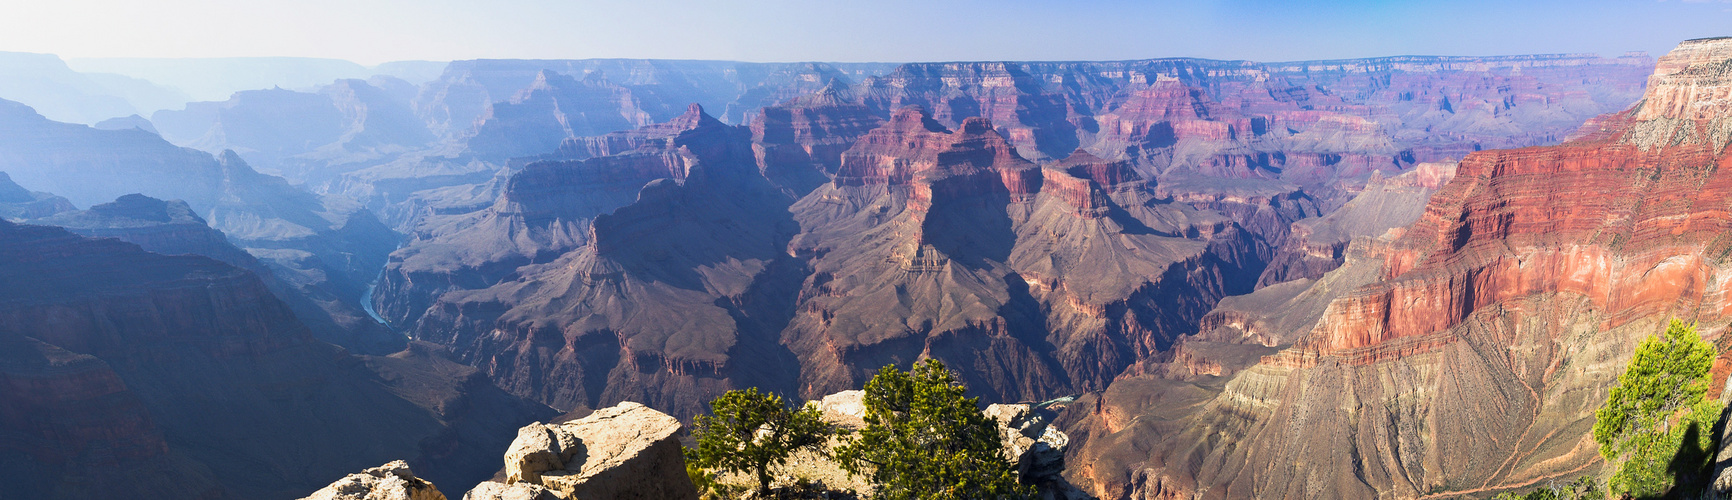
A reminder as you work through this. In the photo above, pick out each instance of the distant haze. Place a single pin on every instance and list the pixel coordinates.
(370, 32)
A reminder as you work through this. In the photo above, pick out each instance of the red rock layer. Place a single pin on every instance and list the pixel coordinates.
(1499, 319)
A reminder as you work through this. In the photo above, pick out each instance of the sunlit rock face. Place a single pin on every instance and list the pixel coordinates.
(772, 242)
(1483, 337)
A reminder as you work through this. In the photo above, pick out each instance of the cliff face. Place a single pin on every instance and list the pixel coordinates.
(648, 302)
(1033, 282)
(1491, 331)
(1319, 127)
(567, 294)
(1308, 123)
(1317, 245)
(148, 376)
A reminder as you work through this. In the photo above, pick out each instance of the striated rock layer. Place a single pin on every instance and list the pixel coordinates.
(1491, 330)
(1317, 245)
(734, 269)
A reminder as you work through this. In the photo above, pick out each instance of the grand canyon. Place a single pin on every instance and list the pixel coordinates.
(1384, 277)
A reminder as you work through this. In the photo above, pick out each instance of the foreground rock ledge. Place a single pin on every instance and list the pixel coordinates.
(392, 481)
(628, 451)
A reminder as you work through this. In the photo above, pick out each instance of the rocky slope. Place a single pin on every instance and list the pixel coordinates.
(1315, 246)
(327, 248)
(1488, 333)
(171, 228)
(140, 375)
(591, 282)
(1318, 125)
(17, 203)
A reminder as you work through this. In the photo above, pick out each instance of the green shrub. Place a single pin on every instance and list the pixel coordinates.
(924, 440)
(748, 431)
(1656, 427)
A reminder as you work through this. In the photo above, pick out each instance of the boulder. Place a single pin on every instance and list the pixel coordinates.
(1035, 446)
(628, 451)
(844, 409)
(392, 481)
(515, 491)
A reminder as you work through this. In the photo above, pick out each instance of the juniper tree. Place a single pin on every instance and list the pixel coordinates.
(749, 431)
(1657, 425)
(925, 440)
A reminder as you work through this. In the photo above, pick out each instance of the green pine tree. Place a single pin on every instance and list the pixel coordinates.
(748, 431)
(1656, 427)
(925, 440)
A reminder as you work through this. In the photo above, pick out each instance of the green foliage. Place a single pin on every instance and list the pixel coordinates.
(705, 481)
(748, 431)
(1656, 427)
(1582, 488)
(924, 440)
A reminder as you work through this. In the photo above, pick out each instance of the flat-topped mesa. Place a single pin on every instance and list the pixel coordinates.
(890, 154)
(547, 209)
(556, 107)
(1458, 63)
(652, 136)
(1689, 98)
(1085, 182)
(808, 134)
(914, 150)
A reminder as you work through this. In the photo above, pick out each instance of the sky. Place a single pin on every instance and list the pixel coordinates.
(376, 31)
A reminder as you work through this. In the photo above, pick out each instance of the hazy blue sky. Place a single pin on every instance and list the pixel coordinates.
(373, 31)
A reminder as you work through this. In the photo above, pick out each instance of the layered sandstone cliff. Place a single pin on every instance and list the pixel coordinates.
(1494, 327)
(978, 255)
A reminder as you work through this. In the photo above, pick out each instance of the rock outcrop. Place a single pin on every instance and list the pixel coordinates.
(627, 451)
(1031, 441)
(392, 481)
(1491, 329)
(1036, 447)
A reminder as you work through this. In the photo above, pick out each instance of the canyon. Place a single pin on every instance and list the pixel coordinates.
(1295, 279)
(1044, 227)
(1464, 353)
